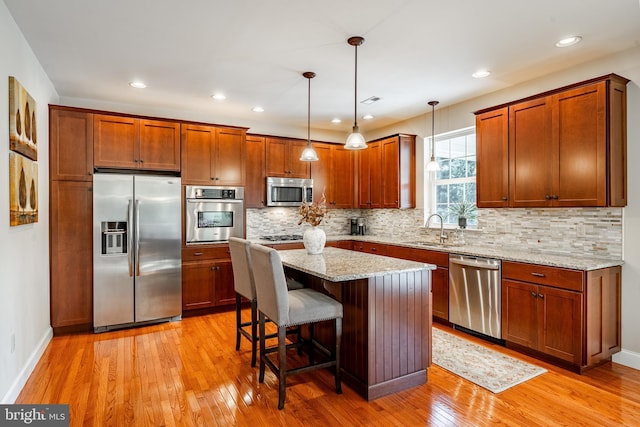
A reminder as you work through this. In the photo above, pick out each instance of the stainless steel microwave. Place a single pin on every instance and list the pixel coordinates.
(289, 191)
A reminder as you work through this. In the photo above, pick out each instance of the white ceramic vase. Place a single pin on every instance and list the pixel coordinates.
(314, 239)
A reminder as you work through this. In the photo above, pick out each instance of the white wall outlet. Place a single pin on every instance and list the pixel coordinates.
(491, 226)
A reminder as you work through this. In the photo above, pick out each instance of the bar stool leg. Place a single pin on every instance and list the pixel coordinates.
(337, 367)
(262, 349)
(282, 365)
(254, 331)
(238, 320)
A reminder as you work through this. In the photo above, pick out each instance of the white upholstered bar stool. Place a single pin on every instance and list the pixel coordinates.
(244, 286)
(290, 308)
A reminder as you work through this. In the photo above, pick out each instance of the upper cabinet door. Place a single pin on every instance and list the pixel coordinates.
(580, 144)
(116, 142)
(198, 143)
(70, 145)
(531, 159)
(492, 156)
(342, 177)
(321, 173)
(254, 191)
(159, 145)
(230, 162)
(390, 173)
(298, 168)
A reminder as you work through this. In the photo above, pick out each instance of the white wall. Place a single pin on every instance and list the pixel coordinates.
(24, 250)
(626, 64)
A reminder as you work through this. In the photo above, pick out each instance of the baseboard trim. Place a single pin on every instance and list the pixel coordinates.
(627, 358)
(27, 369)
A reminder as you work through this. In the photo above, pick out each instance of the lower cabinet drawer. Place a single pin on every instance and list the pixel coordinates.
(557, 277)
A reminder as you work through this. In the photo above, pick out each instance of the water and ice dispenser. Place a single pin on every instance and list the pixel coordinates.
(114, 237)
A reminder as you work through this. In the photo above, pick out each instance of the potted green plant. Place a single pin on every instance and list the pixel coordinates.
(464, 211)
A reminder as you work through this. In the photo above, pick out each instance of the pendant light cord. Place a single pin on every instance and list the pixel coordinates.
(355, 98)
(309, 113)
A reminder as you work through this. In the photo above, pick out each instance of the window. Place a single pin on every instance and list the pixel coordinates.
(455, 182)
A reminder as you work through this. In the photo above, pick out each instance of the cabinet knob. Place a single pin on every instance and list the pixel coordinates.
(533, 294)
(547, 197)
(504, 198)
(541, 296)
(141, 161)
(554, 197)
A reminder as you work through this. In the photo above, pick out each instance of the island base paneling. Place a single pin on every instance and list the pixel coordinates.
(386, 337)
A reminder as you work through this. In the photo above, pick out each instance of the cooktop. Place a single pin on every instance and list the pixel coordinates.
(282, 237)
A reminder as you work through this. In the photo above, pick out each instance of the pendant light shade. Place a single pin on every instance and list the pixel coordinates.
(355, 141)
(309, 154)
(433, 165)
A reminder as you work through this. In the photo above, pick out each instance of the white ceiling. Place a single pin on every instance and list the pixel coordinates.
(256, 50)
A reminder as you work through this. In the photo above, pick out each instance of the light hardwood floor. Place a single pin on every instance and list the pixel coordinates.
(188, 373)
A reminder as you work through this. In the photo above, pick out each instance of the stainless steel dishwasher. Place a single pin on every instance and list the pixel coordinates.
(475, 294)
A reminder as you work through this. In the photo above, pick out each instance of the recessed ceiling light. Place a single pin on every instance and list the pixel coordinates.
(367, 117)
(336, 121)
(569, 41)
(138, 85)
(219, 96)
(481, 74)
(257, 109)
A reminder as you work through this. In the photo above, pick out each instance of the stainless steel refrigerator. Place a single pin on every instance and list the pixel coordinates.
(137, 235)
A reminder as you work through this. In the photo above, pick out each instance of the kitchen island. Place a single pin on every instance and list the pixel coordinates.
(386, 338)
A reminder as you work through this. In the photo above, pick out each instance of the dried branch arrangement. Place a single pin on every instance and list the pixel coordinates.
(313, 213)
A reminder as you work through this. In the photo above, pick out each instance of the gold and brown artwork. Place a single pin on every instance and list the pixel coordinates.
(23, 190)
(23, 136)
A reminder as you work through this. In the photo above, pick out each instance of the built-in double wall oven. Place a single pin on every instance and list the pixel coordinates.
(213, 214)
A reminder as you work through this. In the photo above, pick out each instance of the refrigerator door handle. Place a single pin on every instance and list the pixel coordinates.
(130, 238)
(137, 247)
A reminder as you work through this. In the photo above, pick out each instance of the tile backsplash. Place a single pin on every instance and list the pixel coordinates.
(564, 231)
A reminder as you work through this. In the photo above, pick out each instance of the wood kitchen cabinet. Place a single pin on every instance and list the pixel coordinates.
(387, 173)
(255, 190)
(333, 175)
(439, 276)
(71, 219)
(566, 148)
(213, 155)
(207, 278)
(283, 158)
(71, 244)
(130, 143)
(71, 144)
(370, 247)
(492, 159)
(572, 316)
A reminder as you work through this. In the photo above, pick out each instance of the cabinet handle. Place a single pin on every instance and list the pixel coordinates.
(538, 274)
(533, 294)
(547, 197)
(554, 197)
(197, 254)
(141, 161)
(504, 198)
(373, 249)
(541, 296)
(215, 267)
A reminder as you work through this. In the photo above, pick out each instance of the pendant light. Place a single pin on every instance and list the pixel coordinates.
(355, 141)
(309, 154)
(433, 165)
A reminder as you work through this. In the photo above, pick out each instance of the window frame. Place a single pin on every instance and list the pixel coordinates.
(430, 178)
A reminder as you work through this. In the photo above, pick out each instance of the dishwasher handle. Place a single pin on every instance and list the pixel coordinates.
(469, 263)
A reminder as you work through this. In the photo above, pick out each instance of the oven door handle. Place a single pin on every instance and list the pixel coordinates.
(215, 201)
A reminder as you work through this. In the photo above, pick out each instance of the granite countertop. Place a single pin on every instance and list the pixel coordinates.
(503, 253)
(339, 265)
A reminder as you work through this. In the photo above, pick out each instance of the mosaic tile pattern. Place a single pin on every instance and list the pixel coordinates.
(584, 232)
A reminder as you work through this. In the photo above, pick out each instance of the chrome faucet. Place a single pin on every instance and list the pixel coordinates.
(443, 236)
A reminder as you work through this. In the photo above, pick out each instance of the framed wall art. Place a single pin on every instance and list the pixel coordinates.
(23, 135)
(23, 190)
